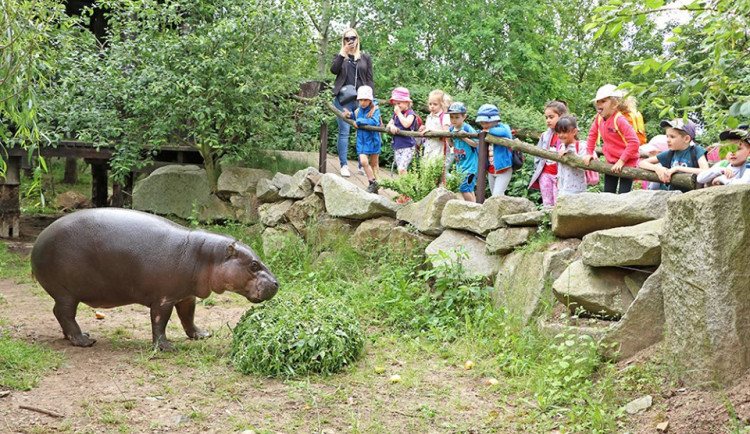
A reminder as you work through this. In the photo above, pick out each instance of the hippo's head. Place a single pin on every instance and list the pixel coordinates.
(243, 272)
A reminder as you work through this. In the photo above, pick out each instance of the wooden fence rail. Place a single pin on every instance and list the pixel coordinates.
(679, 180)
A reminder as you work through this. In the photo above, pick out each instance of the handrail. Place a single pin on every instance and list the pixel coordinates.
(683, 181)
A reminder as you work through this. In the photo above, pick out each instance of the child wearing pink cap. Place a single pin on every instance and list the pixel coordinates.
(402, 120)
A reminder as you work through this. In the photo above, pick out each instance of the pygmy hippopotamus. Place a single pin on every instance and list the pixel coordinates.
(111, 257)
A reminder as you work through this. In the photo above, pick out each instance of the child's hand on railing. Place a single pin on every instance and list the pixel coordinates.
(561, 153)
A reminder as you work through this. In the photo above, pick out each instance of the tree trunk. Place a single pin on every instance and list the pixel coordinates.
(209, 163)
(325, 25)
(71, 171)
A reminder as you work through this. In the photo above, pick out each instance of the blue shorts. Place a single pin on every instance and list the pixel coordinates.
(468, 185)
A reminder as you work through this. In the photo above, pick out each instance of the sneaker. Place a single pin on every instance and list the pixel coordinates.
(345, 172)
(373, 188)
(361, 171)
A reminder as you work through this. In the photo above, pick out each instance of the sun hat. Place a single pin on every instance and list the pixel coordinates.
(365, 92)
(488, 113)
(606, 91)
(678, 124)
(656, 144)
(400, 94)
(457, 107)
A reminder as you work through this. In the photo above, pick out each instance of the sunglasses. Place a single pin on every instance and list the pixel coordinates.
(350, 38)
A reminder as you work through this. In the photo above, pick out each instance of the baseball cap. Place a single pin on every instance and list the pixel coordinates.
(488, 113)
(457, 107)
(739, 133)
(606, 91)
(678, 124)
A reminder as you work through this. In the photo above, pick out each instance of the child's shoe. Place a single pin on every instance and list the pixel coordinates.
(373, 187)
(345, 172)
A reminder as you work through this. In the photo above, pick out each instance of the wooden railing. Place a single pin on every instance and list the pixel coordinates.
(680, 180)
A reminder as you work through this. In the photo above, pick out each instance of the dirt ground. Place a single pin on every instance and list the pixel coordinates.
(119, 385)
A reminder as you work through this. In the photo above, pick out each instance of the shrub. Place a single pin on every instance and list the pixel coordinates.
(298, 335)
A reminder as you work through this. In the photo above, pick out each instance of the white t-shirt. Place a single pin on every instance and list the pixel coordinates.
(433, 146)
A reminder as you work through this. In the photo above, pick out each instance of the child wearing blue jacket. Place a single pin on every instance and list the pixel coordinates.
(465, 151)
(500, 161)
(368, 142)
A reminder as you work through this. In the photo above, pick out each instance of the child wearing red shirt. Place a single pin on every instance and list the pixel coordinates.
(620, 142)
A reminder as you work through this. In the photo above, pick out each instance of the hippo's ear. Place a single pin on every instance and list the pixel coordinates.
(231, 252)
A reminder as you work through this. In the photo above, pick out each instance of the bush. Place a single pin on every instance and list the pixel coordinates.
(294, 336)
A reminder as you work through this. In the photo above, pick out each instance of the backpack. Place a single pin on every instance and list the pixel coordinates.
(592, 176)
(693, 157)
(599, 121)
(517, 158)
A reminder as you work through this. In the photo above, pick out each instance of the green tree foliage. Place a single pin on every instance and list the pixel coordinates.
(26, 62)
(215, 75)
(706, 66)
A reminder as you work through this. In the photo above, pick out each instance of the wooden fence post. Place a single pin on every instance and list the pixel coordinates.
(323, 147)
(482, 167)
(10, 210)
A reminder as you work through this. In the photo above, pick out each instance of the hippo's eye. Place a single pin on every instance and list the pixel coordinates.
(254, 266)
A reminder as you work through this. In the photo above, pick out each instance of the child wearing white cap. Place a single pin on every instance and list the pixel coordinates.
(619, 140)
(368, 142)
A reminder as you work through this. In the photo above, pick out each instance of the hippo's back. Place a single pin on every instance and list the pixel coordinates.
(106, 250)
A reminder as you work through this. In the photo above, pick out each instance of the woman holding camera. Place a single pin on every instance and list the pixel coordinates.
(353, 69)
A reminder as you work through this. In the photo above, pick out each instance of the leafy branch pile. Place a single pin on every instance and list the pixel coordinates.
(297, 335)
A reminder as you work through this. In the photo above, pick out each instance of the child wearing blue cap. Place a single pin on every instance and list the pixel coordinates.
(500, 161)
(465, 151)
(683, 155)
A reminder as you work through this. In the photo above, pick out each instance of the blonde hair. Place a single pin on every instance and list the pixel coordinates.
(447, 101)
(357, 53)
(628, 105)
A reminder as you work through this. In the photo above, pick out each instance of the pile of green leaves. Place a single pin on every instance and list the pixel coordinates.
(297, 335)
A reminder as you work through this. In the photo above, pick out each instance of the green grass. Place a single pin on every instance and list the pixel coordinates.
(13, 266)
(23, 364)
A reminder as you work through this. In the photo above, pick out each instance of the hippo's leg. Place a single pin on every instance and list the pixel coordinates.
(186, 312)
(65, 312)
(160, 314)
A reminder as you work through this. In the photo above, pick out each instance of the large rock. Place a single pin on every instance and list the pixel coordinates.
(304, 211)
(599, 291)
(172, 189)
(425, 215)
(266, 191)
(405, 240)
(504, 240)
(476, 262)
(502, 206)
(240, 180)
(576, 215)
(274, 214)
(643, 323)
(299, 185)
(482, 218)
(532, 218)
(278, 238)
(245, 208)
(706, 285)
(344, 199)
(467, 216)
(215, 209)
(72, 200)
(329, 228)
(629, 245)
(523, 284)
(372, 233)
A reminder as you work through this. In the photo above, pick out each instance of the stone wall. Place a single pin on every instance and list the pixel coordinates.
(699, 298)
